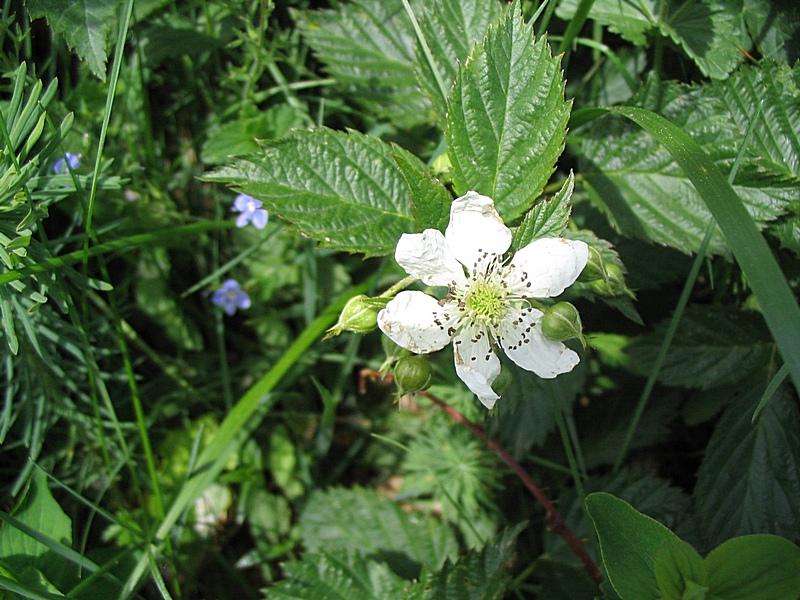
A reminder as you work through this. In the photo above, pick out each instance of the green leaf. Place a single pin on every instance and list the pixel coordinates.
(677, 567)
(635, 179)
(714, 345)
(337, 576)
(507, 117)
(85, 25)
(755, 567)
(549, 218)
(774, 28)
(480, 575)
(749, 477)
(360, 519)
(629, 541)
(368, 46)
(708, 31)
(343, 189)
(430, 200)
(451, 29)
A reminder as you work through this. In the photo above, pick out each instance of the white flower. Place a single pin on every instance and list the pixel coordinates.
(488, 300)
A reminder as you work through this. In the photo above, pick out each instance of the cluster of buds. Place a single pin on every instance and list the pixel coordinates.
(605, 278)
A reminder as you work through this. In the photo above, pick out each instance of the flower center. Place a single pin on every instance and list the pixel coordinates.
(486, 301)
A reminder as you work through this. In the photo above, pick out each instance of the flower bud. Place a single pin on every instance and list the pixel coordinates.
(613, 284)
(595, 267)
(502, 381)
(360, 315)
(413, 374)
(562, 322)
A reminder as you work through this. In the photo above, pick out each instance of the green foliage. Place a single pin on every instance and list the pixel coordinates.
(507, 117)
(344, 190)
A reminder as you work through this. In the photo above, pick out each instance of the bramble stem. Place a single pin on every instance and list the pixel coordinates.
(552, 517)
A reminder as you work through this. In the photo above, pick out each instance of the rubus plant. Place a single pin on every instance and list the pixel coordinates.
(558, 276)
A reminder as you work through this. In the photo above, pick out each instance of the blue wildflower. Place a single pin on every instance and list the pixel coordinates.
(231, 296)
(251, 211)
(66, 163)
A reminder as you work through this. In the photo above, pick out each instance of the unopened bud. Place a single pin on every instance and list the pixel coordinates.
(595, 267)
(360, 315)
(562, 322)
(613, 284)
(413, 374)
(502, 381)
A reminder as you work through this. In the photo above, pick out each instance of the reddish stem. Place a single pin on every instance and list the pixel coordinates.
(552, 517)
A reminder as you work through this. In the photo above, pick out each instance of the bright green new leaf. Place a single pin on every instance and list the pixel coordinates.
(679, 570)
(755, 567)
(629, 542)
(85, 25)
(749, 477)
(507, 117)
(343, 189)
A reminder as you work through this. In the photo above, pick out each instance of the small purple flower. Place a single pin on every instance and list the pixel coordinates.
(251, 211)
(230, 296)
(60, 167)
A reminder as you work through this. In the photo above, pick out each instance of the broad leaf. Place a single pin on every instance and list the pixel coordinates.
(480, 575)
(755, 566)
(708, 31)
(339, 576)
(629, 541)
(85, 25)
(451, 28)
(749, 477)
(636, 181)
(430, 200)
(368, 46)
(775, 28)
(361, 520)
(507, 117)
(549, 218)
(678, 569)
(342, 189)
(714, 345)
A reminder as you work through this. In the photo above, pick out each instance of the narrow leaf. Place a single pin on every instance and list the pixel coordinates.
(507, 117)
(549, 218)
(430, 200)
(343, 189)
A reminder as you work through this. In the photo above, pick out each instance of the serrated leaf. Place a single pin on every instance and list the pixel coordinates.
(755, 566)
(337, 576)
(549, 218)
(507, 117)
(343, 189)
(480, 575)
(714, 345)
(749, 477)
(629, 541)
(359, 519)
(430, 200)
(631, 177)
(368, 46)
(85, 25)
(774, 28)
(451, 28)
(708, 31)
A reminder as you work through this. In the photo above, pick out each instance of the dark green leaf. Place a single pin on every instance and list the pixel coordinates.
(753, 567)
(507, 117)
(368, 45)
(748, 480)
(451, 28)
(342, 189)
(714, 345)
(774, 28)
(359, 519)
(337, 576)
(549, 218)
(629, 541)
(85, 25)
(430, 200)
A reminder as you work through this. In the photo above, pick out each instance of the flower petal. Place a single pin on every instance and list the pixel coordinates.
(476, 364)
(416, 322)
(475, 227)
(426, 256)
(525, 344)
(548, 266)
(260, 218)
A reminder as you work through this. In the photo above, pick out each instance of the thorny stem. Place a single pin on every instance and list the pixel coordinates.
(552, 517)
